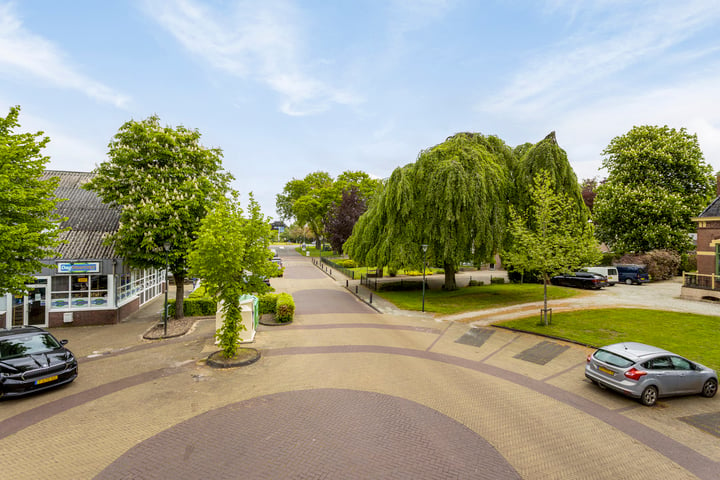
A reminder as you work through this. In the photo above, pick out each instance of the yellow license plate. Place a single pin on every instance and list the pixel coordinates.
(46, 380)
(605, 370)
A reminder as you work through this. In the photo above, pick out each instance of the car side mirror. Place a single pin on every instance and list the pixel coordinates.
(63, 342)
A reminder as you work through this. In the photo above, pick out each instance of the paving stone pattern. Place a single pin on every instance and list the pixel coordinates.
(542, 353)
(475, 337)
(709, 422)
(315, 434)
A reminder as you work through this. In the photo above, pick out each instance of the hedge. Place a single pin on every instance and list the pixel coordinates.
(267, 303)
(194, 307)
(285, 308)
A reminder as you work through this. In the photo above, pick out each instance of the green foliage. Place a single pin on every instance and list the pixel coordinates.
(551, 237)
(195, 307)
(230, 255)
(476, 283)
(285, 309)
(310, 199)
(267, 303)
(402, 285)
(164, 182)
(688, 262)
(29, 228)
(658, 180)
(608, 258)
(497, 280)
(453, 198)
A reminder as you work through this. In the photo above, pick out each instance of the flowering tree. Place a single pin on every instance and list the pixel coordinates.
(164, 182)
(657, 181)
(231, 256)
(28, 222)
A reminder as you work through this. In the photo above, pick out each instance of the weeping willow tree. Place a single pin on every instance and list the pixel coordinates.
(453, 199)
(548, 158)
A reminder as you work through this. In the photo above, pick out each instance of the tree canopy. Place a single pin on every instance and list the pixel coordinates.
(310, 199)
(164, 181)
(342, 218)
(657, 181)
(29, 226)
(453, 199)
(231, 256)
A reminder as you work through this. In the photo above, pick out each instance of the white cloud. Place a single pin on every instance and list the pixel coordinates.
(25, 54)
(601, 50)
(260, 41)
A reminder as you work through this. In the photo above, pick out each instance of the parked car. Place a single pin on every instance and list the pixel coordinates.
(647, 373)
(630, 274)
(278, 262)
(580, 280)
(31, 360)
(610, 273)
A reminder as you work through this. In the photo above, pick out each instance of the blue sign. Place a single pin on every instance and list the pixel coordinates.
(78, 267)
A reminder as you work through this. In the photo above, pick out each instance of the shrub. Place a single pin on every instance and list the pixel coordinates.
(688, 262)
(499, 280)
(194, 307)
(347, 263)
(528, 277)
(476, 283)
(660, 264)
(285, 310)
(608, 259)
(267, 303)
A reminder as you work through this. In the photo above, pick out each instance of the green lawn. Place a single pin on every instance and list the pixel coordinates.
(475, 298)
(693, 336)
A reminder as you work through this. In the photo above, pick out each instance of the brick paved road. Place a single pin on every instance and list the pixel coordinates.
(345, 395)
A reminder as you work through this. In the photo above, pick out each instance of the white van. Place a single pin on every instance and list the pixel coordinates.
(610, 272)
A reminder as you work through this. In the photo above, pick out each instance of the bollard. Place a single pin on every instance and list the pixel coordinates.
(356, 289)
(371, 297)
(347, 283)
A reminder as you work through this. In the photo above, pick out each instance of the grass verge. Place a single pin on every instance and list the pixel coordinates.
(475, 298)
(690, 335)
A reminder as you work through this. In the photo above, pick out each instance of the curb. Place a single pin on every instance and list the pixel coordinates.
(224, 363)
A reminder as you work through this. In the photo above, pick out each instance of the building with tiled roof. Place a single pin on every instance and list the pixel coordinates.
(705, 284)
(86, 284)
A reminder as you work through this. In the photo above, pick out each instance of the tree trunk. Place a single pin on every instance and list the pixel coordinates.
(317, 243)
(179, 296)
(449, 277)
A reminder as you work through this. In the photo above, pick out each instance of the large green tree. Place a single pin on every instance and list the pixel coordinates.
(28, 222)
(453, 198)
(309, 200)
(657, 181)
(230, 255)
(550, 236)
(164, 181)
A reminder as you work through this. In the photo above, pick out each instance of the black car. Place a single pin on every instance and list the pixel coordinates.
(580, 280)
(31, 360)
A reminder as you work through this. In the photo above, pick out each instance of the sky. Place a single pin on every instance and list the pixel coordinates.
(286, 88)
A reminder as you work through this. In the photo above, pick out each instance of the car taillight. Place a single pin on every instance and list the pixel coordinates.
(633, 374)
(589, 357)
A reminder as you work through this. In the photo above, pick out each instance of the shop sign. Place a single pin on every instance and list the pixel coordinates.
(78, 267)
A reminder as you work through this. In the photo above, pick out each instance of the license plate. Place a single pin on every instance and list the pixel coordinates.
(46, 380)
(606, 370)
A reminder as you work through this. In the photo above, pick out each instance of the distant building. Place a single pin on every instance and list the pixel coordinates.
(89, 284)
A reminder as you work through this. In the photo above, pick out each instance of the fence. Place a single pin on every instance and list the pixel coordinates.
(701, 281)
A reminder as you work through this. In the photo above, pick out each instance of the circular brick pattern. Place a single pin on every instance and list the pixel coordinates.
(323, 433)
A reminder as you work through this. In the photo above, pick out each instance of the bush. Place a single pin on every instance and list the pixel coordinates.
(194, 307)
(476, 283)
(347, 263)
(267, 303)
(608, 259)
(660, 264)
(688, 262)
(285, 309)
(528, 277)
(498, 280)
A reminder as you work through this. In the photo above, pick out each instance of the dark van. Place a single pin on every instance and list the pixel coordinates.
(630, 274)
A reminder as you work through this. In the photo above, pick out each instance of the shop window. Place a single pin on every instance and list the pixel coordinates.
(79, 291)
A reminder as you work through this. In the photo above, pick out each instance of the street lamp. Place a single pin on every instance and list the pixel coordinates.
(424, 248)
(166, 247)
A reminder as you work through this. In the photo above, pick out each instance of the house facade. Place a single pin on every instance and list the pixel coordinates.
(705, 284)
(87, 284)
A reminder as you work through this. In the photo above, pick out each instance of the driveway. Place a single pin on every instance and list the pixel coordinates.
(347, 395)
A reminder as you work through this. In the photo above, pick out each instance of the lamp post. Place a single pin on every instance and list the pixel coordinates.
(166, 247)
(424, 248)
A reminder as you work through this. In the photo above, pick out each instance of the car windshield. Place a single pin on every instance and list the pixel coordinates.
(26, 345)
(612, 359)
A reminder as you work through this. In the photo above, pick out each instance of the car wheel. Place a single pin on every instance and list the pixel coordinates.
(710, 388)
(649, 396)
(628, 281)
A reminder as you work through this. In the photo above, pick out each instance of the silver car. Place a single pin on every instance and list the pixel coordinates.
(646, 372)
